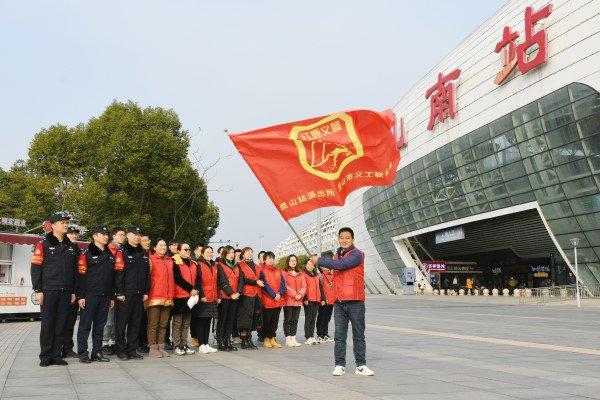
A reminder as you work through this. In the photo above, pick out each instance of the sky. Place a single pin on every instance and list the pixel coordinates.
(237, 65)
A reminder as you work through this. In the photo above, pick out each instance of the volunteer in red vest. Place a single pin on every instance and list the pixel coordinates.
(184, 273)
(160, 298)
(273, 299)
(326, 310)
(206, 308)
(295, 289)
(313, 299)
(349, 289)
(230, 288)
(259, 268)
(249, 311)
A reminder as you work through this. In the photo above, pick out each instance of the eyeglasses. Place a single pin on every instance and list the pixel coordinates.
(186, 249)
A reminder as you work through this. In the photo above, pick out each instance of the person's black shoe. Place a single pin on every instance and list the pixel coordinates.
(221, 345)
(244, 344)
(99, 357)
(109, 350)
(261, 339)
(45, 363)
(59, 361)
(123, 356)
(84, 359)
(230, 346)
(69, 354)
(168, 345)
(144, 349)
(135, 356)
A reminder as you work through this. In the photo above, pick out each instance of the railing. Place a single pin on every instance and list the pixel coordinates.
(553, 294)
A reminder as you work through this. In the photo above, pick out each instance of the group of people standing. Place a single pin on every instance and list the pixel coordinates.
(136, 292)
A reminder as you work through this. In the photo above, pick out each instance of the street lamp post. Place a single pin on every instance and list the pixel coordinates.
(575, 243)
(261, 241)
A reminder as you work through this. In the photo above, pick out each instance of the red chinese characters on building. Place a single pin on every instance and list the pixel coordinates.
(516, 54)
(442, 97)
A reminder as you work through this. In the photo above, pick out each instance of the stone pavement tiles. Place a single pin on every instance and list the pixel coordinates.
(419, 348)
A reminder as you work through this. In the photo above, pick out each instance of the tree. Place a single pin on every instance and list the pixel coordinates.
(127, 166)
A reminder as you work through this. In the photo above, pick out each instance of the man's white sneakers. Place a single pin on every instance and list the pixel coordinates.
(310, 341)
(364, 371)
(339, 370)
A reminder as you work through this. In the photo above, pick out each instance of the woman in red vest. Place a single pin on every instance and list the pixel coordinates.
(206, 308)
(325, 311)
(230, 288)
(160, 298)
(184, 274)
(259, 268)
(295, 289)
(314, 298)
(249, 311)
(273, 299)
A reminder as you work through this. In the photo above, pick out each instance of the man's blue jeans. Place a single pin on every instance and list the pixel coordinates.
(353, 312)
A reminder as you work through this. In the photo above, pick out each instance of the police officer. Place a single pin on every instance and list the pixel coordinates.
(108, 339)
(132, 285)
(95, 291)
(53, 269)
(67, 347)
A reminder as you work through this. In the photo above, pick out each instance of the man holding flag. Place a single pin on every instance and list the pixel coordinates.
(318, 162)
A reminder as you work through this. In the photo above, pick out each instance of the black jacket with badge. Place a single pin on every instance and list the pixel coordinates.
(96, 271)
(134, 277)
(54, 264)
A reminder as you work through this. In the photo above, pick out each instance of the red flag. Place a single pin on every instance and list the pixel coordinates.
(317, 162)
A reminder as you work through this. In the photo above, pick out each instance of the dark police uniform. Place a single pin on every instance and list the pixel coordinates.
(53, 269)
(96, 270)
(132, 281)
(67, 347)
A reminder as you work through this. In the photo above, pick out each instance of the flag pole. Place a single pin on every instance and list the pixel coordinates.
(308, 253)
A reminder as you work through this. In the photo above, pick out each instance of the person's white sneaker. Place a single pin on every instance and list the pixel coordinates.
(295, 342)
(339, 370)
(320, 340)
(203, 349)
(327, 339)
(310, 341)
(288, 341)
(179, 351)
(364, 371)
(210, 349)
(188, 350)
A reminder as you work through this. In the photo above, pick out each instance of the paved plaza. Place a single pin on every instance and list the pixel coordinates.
(419, 347)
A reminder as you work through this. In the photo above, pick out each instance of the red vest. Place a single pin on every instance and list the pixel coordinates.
(298, 285)
(249, 290)
(328, 288)
(209, 281)
(349, 284)
(313, 292)
(273, 279)
(189, 274)
(162, 285)
(233, 276)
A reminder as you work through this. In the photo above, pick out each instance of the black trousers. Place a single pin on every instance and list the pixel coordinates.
(143, 338)
(290, 320)
(54, 310)
(95, 313)
(310, 318)
(227, 315)
(70, 327)
(270, 321)
(201, 327)
(323, 319)
(128, 317)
